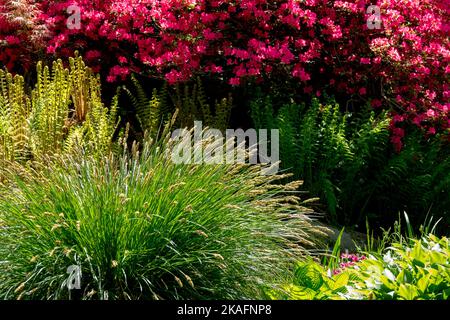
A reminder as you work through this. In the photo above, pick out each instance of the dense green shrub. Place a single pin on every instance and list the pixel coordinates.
(143, 227)
(411, 270)
(347, 160)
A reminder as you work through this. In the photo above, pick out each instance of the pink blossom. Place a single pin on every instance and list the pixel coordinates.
(123, 60)
(431, 113)
(376, 103)
(12, 40)
(235, 81)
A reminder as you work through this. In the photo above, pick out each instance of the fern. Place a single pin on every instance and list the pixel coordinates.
(14, 110)
(150, 113)
(348, 161)
(190, 101)
(222, 113)
(50, 109)
(63, 112)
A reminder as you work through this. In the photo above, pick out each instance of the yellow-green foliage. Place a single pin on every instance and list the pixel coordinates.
(410, 269)
(418, 269)
(14, 112)
(64, 111)
(50, 104)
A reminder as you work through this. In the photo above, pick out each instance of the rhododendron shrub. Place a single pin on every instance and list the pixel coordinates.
(320, 44)
(21, 33)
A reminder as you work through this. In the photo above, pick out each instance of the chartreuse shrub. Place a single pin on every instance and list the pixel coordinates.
(63, 111)
(142, 227)
(411, 270)
(347, 160)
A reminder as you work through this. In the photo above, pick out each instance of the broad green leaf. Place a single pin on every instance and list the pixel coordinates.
(340, 280)
(418, 263)
(437, 257)
(300, 293)
(422, 283)
(407, 291)
(309, 276)
(401, 277)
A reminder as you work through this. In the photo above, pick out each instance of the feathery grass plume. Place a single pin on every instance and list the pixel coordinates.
(142, 227)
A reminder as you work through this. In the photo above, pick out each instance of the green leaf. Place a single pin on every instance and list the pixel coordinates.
(340, 281)
(437, 257)
(446, 294)
(408, 291)
(418, 263)
(301, 293)
(422, 283)
(401, 277)
(309, 276)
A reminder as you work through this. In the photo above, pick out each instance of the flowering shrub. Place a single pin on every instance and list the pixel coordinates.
(407, 58)
(21, 33)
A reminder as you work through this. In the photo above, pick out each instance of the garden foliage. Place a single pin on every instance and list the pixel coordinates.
(403, 65)
(77, 192)
(189, 100)
(347, 160)
(411, 270)
(142, 227)
(63, 111)
(418, 269)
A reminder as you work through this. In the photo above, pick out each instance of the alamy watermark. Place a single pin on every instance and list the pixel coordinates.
(211, 146)
(74, 279)
(374, 21)
(74, 20)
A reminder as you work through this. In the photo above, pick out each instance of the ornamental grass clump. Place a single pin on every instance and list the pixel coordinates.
(138, 226)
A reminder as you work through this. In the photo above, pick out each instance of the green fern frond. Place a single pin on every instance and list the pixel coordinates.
(45, 122)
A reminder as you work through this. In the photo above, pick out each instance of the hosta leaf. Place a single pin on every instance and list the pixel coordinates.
(309, 276)
(340, 281)
(418, 263)
(408, 291)
(446, 294)
(437, 257)
(401, 277)
(422, 283)
(301, 293)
